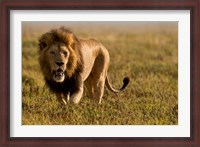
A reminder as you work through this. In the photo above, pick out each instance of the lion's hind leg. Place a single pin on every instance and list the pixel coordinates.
(99, 89)
(89, 87)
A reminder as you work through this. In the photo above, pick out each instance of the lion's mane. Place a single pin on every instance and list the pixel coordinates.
(75, 63)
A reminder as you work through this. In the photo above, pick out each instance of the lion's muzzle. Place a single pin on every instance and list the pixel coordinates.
(58, 75)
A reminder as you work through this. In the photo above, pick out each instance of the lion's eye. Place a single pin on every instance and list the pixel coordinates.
(65, 53)
(52, 52)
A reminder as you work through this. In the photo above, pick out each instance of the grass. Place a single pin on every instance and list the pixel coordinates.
(148, 55)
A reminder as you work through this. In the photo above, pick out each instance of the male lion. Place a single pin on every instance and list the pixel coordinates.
(68, 63)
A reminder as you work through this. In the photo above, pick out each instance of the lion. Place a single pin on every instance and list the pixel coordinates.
(68, 63)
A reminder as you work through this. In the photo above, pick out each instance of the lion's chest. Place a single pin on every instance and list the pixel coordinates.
(71, 85)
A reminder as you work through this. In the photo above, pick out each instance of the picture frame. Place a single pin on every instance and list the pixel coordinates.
(192, 5)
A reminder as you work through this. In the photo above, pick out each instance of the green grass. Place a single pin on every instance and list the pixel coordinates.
(148, 56)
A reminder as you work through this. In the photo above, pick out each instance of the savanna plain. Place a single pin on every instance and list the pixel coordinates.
(146, 52)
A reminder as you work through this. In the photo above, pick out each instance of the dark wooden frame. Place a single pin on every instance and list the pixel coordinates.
(192, 5)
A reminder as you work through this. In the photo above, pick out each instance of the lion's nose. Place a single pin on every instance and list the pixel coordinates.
(59, 63)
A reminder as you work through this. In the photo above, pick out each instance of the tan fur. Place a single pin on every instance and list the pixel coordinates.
(85, 59)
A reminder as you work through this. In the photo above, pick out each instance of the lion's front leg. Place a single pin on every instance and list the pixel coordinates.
(60, 98)
(76, 97)
(67, 97)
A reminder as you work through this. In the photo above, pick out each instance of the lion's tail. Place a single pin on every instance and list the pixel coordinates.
(109, 86)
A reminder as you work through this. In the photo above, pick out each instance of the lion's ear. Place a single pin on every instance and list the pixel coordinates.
(45, 40)
(70, 39)
(42, 44)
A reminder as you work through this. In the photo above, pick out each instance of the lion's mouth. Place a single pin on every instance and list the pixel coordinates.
(58, 75)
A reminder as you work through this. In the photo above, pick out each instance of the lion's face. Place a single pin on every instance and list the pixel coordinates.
(58, 56)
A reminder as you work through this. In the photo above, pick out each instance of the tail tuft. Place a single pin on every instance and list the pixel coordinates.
(125, 81)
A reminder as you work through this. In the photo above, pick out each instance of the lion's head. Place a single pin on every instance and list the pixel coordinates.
(59, 54)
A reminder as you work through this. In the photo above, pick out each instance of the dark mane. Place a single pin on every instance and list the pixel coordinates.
(69, 85)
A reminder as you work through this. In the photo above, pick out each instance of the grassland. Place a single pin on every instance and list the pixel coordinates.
(147, 53)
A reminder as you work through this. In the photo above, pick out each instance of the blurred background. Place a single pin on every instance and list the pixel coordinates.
(147, 52)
